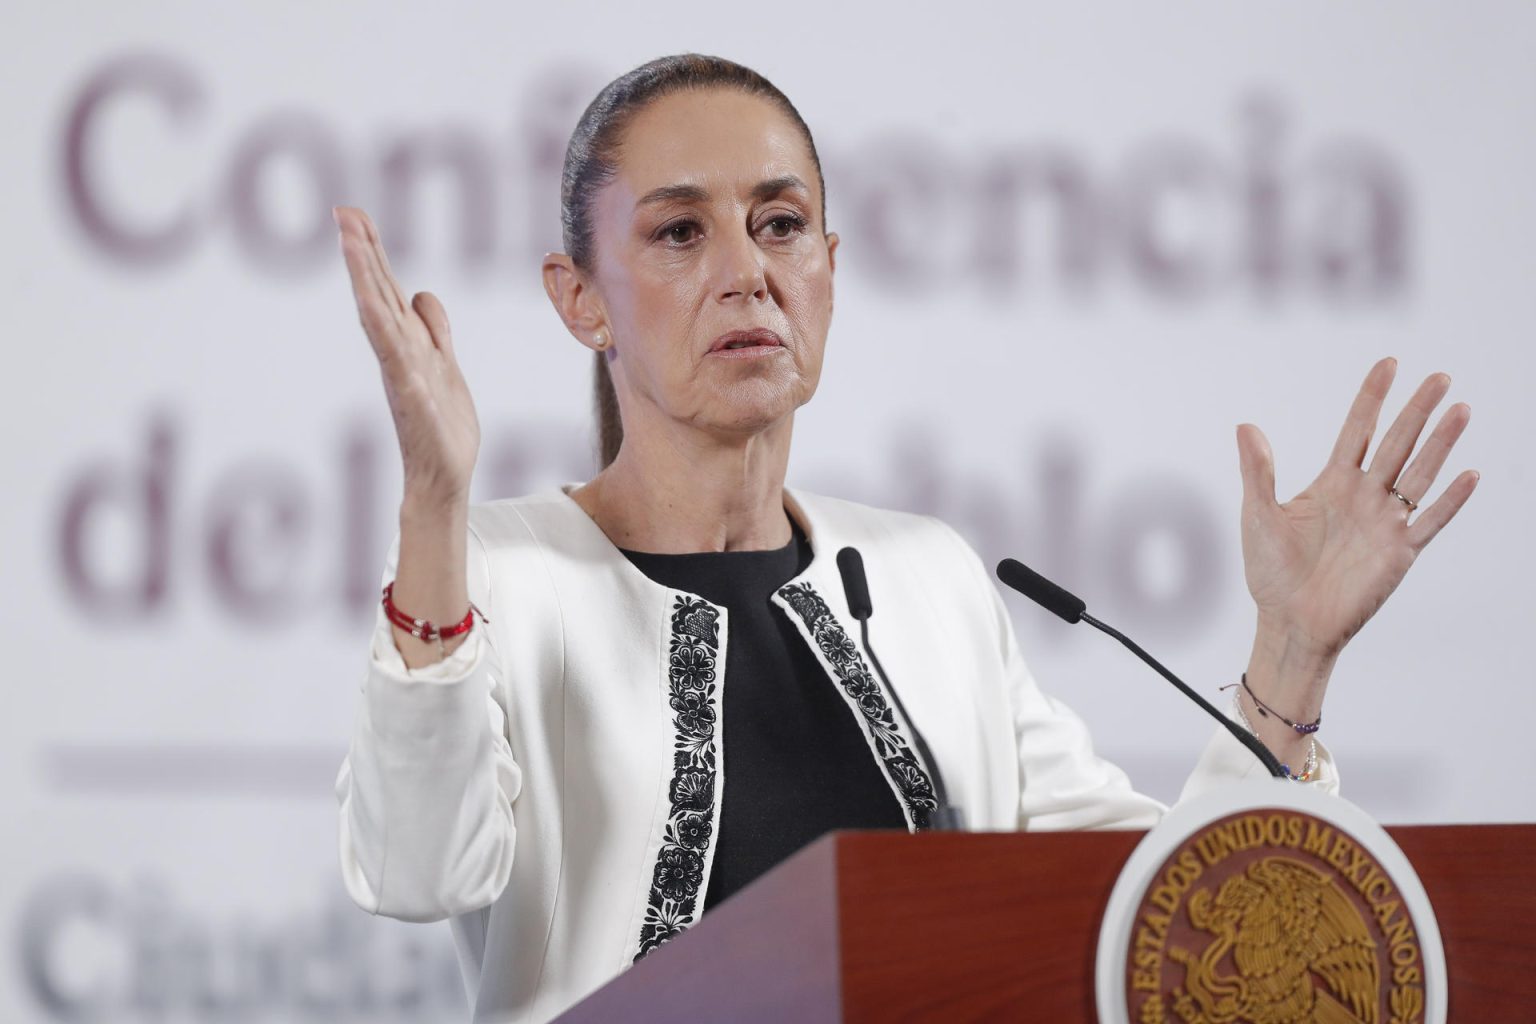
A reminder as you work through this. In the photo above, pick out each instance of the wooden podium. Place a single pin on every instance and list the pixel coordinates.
(1002, 926)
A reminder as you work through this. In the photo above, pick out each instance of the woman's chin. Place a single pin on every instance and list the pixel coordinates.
(753, 410)
(746, 424)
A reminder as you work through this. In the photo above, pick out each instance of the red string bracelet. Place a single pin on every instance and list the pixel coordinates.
(422, 629)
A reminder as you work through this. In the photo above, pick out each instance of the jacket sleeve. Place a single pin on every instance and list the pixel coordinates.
(427, 787)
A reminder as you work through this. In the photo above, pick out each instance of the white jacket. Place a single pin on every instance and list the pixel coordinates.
(553, 786)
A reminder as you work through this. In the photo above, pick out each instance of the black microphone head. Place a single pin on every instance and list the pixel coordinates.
(1040, 590)
(855, 586)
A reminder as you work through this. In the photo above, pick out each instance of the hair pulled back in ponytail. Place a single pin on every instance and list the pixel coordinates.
(591, 161)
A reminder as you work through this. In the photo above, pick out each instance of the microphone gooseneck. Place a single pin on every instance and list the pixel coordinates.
(1072, 608)
(850, 565)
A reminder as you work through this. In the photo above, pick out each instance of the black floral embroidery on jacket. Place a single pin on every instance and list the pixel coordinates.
(679, 873)
(906, 773)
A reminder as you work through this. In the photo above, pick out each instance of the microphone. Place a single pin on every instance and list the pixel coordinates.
(1041, 590)
(850, 564)
(1072, 608)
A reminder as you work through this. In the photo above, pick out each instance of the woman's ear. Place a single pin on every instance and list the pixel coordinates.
(832, 241)
(575, 301)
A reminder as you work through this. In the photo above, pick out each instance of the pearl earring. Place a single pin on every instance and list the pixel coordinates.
(597, 339)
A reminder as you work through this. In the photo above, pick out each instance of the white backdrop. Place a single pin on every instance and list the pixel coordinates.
(1080, 244)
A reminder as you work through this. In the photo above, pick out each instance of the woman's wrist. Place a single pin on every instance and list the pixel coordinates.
(1289, 671)
(1297, 753)
(423, 510)
(1290, 664)
(430, 576)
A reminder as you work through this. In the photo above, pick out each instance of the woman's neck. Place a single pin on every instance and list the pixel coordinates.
(686, 493)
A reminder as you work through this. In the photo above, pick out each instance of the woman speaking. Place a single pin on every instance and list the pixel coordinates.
(590, 715)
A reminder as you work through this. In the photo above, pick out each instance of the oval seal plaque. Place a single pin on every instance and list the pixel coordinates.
(1269, 902)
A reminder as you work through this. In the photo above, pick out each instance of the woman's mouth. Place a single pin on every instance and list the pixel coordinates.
(749, 344)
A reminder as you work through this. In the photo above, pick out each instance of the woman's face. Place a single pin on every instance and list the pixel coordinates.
(712, 225)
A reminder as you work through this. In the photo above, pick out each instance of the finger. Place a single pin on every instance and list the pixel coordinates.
(1360, 424)
(1420, 477)
(1257, 462)
(387, 288)
(373, 306)
(435, 317)
(367, 275)
(375, 310)
(382, 261)
(1430, 521)
(1397, 444)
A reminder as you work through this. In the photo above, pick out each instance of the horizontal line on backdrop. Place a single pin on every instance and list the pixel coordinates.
(172, 769)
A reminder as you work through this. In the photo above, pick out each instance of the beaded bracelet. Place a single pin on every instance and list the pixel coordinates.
(1308, 767)
(1302, 728)
(422, 629)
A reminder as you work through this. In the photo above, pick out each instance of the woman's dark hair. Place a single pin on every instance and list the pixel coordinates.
(591, 161)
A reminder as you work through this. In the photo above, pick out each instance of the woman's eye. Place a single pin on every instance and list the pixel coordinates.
(679, 232)
(786, 224)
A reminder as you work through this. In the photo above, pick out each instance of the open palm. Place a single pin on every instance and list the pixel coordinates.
(1321, 564)
(434, 414)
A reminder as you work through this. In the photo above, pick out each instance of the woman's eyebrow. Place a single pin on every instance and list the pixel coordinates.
(765, 189)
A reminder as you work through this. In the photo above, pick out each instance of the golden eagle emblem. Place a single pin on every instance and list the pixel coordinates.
(1301, 950)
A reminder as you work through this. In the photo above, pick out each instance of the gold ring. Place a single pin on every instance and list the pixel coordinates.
(1412, 505)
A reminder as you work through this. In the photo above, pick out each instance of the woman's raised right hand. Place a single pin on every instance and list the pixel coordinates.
(434, 415)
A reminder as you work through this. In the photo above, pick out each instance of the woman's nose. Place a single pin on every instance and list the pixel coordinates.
(740, 272)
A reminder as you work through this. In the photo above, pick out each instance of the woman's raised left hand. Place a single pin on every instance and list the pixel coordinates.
(1321, 564)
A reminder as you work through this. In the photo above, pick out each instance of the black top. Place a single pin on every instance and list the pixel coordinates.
(795, 758)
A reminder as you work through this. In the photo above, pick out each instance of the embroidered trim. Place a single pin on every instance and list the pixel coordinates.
(906, 773)
(693, 652)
